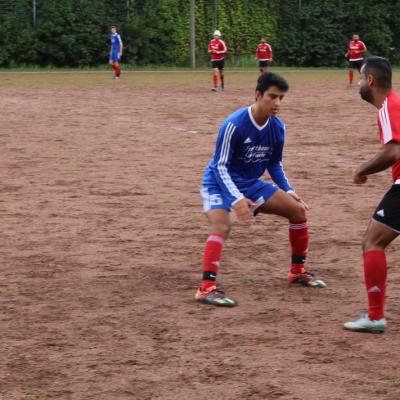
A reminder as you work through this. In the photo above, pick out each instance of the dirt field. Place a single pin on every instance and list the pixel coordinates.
(102, 235)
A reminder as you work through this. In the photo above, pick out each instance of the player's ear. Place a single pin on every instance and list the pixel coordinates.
(370, 79)
(258, 95)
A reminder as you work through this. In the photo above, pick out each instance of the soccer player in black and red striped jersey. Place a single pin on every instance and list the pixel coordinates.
(355, 54)
(264, 55)
(384, 227)
(217, 49)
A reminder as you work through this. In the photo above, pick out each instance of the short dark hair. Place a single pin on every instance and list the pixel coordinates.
(269, 79)
(380, 69)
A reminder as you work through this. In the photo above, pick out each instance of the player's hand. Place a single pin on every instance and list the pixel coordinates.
(243, 210)
(299, 199)
(359, 178)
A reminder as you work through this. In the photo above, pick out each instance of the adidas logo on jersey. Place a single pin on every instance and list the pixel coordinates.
(381, 213)
(248, 140)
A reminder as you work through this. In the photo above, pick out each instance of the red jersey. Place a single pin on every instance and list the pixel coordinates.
(217, 48)
(389, 125)
(353, 48)
(264, 52)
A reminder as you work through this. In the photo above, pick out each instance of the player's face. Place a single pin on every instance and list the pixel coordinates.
(365, 89)
(113, 30)
(356, 37)
(270, 101)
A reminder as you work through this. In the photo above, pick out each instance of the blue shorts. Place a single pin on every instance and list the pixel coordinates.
(114, 56)
(258, 193)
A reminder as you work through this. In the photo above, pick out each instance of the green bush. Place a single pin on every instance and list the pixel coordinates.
(74, 33)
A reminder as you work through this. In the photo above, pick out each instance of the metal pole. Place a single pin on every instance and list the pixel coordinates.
(299, 4)
(192, 34)
(34, 12)
(127, 9)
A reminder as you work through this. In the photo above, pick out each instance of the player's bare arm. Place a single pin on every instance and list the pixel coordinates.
(385, 158)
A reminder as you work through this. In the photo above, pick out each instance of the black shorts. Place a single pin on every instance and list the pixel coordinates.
(388, 210)
(264, 63)
(356, 64)
(218, 64)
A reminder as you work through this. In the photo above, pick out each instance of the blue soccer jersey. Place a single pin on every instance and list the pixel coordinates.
(244, 151)
(116, 42)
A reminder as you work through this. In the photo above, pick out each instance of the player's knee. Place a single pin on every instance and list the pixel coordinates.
(221, 228)
(299, 214)
(372, 243)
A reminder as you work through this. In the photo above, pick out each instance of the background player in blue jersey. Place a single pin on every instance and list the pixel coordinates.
(115, 52)
(250, 142)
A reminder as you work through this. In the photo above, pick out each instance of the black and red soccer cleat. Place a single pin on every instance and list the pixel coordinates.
(306, 278)
(214, 296)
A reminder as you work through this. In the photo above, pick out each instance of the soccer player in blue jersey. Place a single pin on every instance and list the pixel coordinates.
(250, 142)
(115, 52)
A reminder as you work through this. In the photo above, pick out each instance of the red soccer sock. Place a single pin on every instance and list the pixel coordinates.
(375, 272)
(351, 75)
(212, 258)
(298, 237)
(117, 71)
(215, 80)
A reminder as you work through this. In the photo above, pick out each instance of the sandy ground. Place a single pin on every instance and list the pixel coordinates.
(102, 235)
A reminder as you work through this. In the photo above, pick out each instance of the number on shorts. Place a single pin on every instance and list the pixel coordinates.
(216, 200)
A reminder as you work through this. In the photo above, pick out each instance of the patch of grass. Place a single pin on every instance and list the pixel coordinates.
(395, 381)
(247, 280)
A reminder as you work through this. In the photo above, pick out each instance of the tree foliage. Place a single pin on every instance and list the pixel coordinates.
(302, 33)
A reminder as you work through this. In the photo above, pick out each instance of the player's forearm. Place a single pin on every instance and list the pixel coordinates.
(389, 154)
(227, 185)
(278, 175)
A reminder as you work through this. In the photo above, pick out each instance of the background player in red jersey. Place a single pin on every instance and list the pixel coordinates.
(217, 48)
(384, 227)
(264, 55)
(355, 54)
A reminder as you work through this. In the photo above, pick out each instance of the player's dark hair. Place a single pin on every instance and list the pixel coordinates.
(269, 79)
(380, 69)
